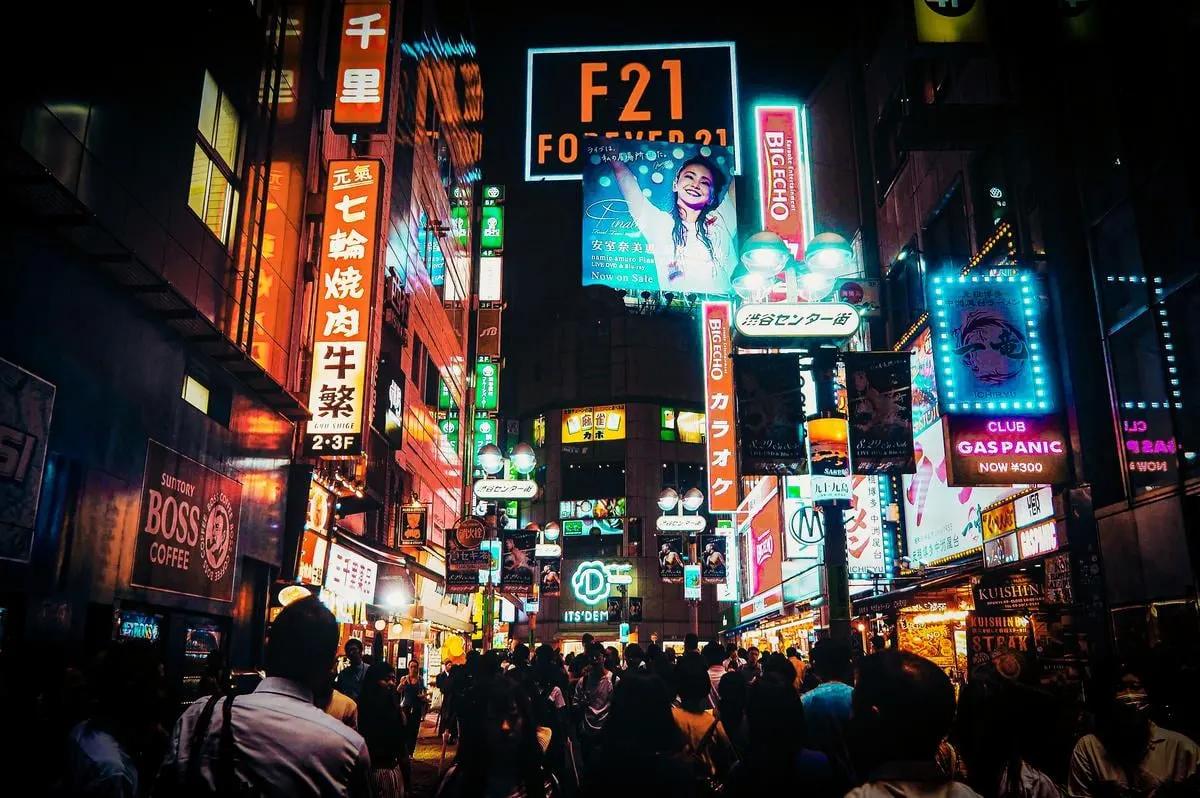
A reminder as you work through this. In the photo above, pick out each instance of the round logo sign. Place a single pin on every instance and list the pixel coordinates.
(806, 526)
(589, 583)
(219, 537)
(469, 533)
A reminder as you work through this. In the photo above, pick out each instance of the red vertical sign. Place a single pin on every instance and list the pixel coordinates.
(721, 422)
(783, 174)
(362, 64)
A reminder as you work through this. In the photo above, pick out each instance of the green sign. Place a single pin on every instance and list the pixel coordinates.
(487, 386)
(493, 195)
(445, 402)
(449, 428)
(491, 233)
(667, 430)
(485, 433)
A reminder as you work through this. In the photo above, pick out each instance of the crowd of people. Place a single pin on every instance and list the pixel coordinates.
(710, 720)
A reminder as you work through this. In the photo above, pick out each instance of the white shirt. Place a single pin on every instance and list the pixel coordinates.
(1170, 757)
(911, 780)
(285, 745)
(691, 267)
(96, 765)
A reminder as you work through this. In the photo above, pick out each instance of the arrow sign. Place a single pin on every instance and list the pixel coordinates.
(505, 489)
(797, 320)
(681, 523)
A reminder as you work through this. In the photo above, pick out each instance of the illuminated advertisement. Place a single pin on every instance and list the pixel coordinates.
(592, 516)
(764, 543)
(728, 590)
(486, 431)
(491, 229)
(879, 397)
(550, 578)
(670, 557)
(691, 582)
(362, 86)
(719, 401)
(784, 173)
(487, 337)
(1151, 453)
(990, 344)
(1020, 528)
(26, 407)
(770, 413)
(343, 314)
(924, 382)
(864, 528)
(351, 575)
(464, 556)
(487, 385)
(414, 527)
(941, 522)
(449, 428)
(1006, 450)
(593, 580)
(588, 424)
(658, 217)
(319, 511)
(518, 567)
(862, 293)
(310, 570)
(671, 93)
(713, 558)
(690, 426)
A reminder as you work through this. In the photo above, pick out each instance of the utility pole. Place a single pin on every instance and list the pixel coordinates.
(837, 581)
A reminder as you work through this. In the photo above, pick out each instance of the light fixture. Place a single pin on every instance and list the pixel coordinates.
(395, 600)
(748, 284)
(523, 459)
(667, 500)
(380, 625)
(828, 253)
(551, 531)
(765, 252)
(490, 459)
(692, 500)
(815, 286)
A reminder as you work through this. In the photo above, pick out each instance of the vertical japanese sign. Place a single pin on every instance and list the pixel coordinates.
(770, 413)
(829, 459)
(491, 245)
(188, 527)
(362, 65)
(691, 582)
(487, 338)
(518, 567)
(26, 403)
(879, 396)
(721, 426)
(343, 324)
(487, 385)
(784, 173)
(465, 556)
(864, 528)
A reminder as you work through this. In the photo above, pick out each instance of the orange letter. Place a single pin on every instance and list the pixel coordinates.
(588, 89)
(568, 148)
(630, 113)
(543, 146)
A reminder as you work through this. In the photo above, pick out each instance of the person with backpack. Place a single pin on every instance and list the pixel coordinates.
(703, 733)
(274, 741)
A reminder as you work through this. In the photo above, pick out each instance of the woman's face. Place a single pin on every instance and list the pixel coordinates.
(694, 186)
(388, 682)
(414, 669)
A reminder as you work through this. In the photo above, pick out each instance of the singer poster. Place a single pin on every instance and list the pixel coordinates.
(770, 408)
(879, 396)
(670, 558)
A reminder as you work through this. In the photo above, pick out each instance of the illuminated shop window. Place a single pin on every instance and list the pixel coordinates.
(212, 194)
(195, 393)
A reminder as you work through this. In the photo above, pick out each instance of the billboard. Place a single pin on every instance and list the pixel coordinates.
(764, 544)
(924, 382)
(721, 425)
(589, 424)
(864, 528)
(187, 533)
(1006, 450)
(672, 93)
(784, 174)
(362, 87)
(770, 413)
(713, 558)
(337, 393)
(350, 575)
(879, 398)
(518, 567)
(26, 405)
(659, 217)
(989, 339)
(941, 522)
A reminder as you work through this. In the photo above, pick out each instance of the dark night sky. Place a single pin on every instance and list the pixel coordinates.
(775, 53)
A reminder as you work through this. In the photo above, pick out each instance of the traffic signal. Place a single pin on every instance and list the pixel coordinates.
(635, 609)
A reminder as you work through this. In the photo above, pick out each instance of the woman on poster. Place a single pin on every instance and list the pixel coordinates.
(692, 243)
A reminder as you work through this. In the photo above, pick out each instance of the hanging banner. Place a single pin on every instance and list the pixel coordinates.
(414, 531)
(924, 382)
(721, 425)
(518, 566)
(713, 558)
(990, 343)
(691, 582)
(26, 404)
(465, 557)
(550, 578)
(670, 557)
(1006, 450)
(879, 396)
(337, 394)
(784, 174)
(188, 527)
(658, 217)
(770, 415)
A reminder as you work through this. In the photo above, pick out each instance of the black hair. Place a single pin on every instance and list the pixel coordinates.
(792, 652)
(378, 712)
(640, 720)
(732, 692)
(691, 680)
(831, 660)
(302, 643)
(713, 654)
(691, 642)
(486, 703)
(679, 232)
(520, 655)
(912, 701)
(781, 666)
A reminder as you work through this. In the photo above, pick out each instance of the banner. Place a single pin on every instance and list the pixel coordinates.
(465, 558)
(713, 558)
(670, 557)
(879, 396)
(658, 216)
(517, 563)
(770, 412)
(924, 382)
(550, 579)
(1000, 642)
(26, 404)
(188, 527)
(721, 425)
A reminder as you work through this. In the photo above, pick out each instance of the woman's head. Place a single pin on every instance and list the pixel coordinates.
(414, 669)
(640, 721)
(698, 184)
(775, 715)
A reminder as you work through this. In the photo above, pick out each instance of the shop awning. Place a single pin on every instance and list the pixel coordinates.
(910, 595)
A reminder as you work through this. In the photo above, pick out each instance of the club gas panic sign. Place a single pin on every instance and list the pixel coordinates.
(659, 92)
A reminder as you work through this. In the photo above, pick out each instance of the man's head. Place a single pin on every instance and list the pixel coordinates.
(792, 653)
(302, 645)
(1122, 708)
(587, 641)
(354, 651)
(752, 655)
(634, 656)
(831, 661)
(520, 655)
(713, 654)
(691, 642)
(903, 706)
(691, 677)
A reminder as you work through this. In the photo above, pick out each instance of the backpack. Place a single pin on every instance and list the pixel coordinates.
(228, 783)
(706, 779)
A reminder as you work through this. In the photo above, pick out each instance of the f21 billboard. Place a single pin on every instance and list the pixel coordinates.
(670, 93)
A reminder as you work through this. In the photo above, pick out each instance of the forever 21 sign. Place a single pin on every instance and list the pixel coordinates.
(187, 527)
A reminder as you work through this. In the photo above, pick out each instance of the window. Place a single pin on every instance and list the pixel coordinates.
(195, 393)
(433, 379)
(213, 195)
(209, 398)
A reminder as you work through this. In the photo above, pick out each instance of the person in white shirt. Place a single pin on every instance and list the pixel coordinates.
(692, 241)
(281, 743)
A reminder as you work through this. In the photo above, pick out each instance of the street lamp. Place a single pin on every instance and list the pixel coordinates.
(692, 500)
(524, 460)
(828, 253)
(667, 500)
(491, 459)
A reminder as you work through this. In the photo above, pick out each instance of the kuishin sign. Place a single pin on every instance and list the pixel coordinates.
(343, 317)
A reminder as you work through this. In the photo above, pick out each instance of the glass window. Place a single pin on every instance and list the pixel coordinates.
(1118, 262)
(212, 194)
(195, 393)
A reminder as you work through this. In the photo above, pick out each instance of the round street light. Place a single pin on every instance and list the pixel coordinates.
(524, 460)
(667, 500)
(815, 286)
(550, 531)
(692, 500)
(491, 459)
(828, 253)
(765, 253)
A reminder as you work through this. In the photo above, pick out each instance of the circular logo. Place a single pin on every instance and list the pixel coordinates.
(589, 583)
(950, 8)
(469, 533)
(219, 537)
(806, 527)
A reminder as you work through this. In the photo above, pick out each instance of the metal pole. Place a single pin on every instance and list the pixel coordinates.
(837, 584)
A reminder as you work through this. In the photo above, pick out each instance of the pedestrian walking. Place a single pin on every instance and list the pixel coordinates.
(827, 706)
(350, 678)
(593, 699)
(704, 736)
(381, 722)
(414, 699)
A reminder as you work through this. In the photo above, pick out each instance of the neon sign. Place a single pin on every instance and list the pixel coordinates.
(1009, 450)
(593, 579)
(784, 173)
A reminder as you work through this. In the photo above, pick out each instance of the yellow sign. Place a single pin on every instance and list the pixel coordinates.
(690, 426)
(590, 424)
(950, 21)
